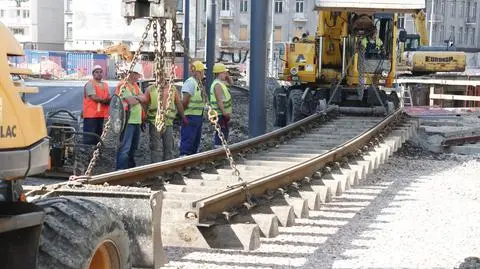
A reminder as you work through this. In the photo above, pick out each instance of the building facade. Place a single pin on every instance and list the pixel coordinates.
(37, 24)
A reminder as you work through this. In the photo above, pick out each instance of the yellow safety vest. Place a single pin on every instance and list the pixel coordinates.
(195, 106)
(152, 108)
(227, 98)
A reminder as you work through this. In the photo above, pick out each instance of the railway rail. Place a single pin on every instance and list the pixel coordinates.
(284, 174)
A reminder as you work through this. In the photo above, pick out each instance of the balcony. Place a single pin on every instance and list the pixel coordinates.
(226, 14)
(471, 21)
(299, 17)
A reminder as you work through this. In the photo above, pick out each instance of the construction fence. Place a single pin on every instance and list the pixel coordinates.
(78, 65)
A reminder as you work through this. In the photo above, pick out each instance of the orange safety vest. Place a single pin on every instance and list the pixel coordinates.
(136, 91)
(92, 109)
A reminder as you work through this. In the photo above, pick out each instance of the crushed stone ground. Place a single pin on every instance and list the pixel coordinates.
(413, 212)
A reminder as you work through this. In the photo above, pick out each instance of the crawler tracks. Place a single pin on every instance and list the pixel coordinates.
(285, 174)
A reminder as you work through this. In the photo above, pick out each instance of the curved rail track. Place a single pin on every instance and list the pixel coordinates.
(284, 174)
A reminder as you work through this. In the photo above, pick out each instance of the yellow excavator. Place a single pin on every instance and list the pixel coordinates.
(350, 61)
(68, 226)
(417, 58)
(123, 51)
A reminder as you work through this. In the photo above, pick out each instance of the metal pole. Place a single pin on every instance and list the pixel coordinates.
(270, 54)
(211, 36)
(431, 24)
(258, 48)
(186, 38)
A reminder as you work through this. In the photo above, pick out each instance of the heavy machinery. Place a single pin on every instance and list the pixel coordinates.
(417, 58)
(81, 226)
(123, 51)
(336, 67)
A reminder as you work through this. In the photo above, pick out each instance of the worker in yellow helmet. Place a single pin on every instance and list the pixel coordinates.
(193, 103)
(221, 100)
(372, 45)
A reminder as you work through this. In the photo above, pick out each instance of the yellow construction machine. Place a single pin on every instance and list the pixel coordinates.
(339, 65)
(123, 51)
(417, 58)
(74, 225)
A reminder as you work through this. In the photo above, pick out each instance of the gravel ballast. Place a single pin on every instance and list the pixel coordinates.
(411, 213)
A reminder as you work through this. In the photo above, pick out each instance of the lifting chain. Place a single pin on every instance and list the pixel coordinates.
(96, 153)
(213, 118)
(361, 64)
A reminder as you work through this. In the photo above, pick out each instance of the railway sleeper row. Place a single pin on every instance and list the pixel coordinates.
(241, 228)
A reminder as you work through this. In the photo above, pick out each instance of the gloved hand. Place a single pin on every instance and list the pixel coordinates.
(185, 121)
(226, 117)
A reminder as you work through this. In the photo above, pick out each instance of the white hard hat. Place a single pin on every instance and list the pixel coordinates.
(138, 69)
(97, 67)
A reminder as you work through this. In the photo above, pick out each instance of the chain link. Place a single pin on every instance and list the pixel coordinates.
(96, 153)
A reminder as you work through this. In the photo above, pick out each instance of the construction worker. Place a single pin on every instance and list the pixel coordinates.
(96, 100)
(193, 104)
(221, 100)
(167, 137)
(133, 98)
(372, 44)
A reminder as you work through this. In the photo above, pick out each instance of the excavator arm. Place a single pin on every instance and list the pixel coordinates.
(421, 27)
(121, 49)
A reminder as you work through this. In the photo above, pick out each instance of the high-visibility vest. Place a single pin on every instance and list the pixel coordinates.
(152, 108)
(92, 109)
(132, 90)
(227, 98)
(195, 106)
(378, 43)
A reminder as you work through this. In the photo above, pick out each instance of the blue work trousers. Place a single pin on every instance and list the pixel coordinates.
(225, 130)
(128, 146)
(191, 135)
(92, 125)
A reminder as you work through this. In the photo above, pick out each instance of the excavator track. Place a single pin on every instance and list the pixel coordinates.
(285, 174)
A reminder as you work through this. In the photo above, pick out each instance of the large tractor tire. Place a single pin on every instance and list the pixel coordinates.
(279, 107)
(81, 234)
(294, 107)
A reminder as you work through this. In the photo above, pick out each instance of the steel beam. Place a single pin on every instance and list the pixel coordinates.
(211, 36)
(258, 51)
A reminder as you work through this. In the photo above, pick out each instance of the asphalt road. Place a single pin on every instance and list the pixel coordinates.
(55, 95)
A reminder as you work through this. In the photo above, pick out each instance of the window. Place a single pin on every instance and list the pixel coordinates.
(401, 21)
(26, 13)
(2, 13)
(69, 31)
(243, 33)
(468, 9)
(18, 12)
(442, 7)
(17, 30)
(68, 7)
(462, 7)
(277, 32)
(452, 33)
(299, 31)
(474, 10)
(472, 42)
(243, 6)
(435, 32)
(299, 6)
(180, 6)
(453, 10)
(225, 32)
(466, 36)
(460, 35)
(204, 5)
(278, 6)
(442, 33)
(180, 27)
(225, 4)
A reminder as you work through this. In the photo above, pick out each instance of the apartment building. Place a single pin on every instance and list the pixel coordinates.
(36, 24)
(291, 18)
(455, 20)
(89, 31)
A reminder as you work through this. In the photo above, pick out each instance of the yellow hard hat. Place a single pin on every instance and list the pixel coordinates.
(198, 66)
(219, 68)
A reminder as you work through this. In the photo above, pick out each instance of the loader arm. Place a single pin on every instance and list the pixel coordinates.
(421, 27)
(121, 49)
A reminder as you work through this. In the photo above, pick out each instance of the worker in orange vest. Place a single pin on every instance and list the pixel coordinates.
(96, 100)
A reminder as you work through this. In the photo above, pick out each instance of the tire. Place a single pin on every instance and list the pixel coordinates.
(294, 107)
(74, 229)
(279, 110)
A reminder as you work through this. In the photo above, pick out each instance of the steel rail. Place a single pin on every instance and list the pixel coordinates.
(235, 197)
(132, 175)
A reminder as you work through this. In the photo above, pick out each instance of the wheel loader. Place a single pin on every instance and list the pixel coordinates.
(73, 225)
(337, 65)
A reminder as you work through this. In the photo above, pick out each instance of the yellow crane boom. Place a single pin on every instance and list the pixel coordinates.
(120, 49)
